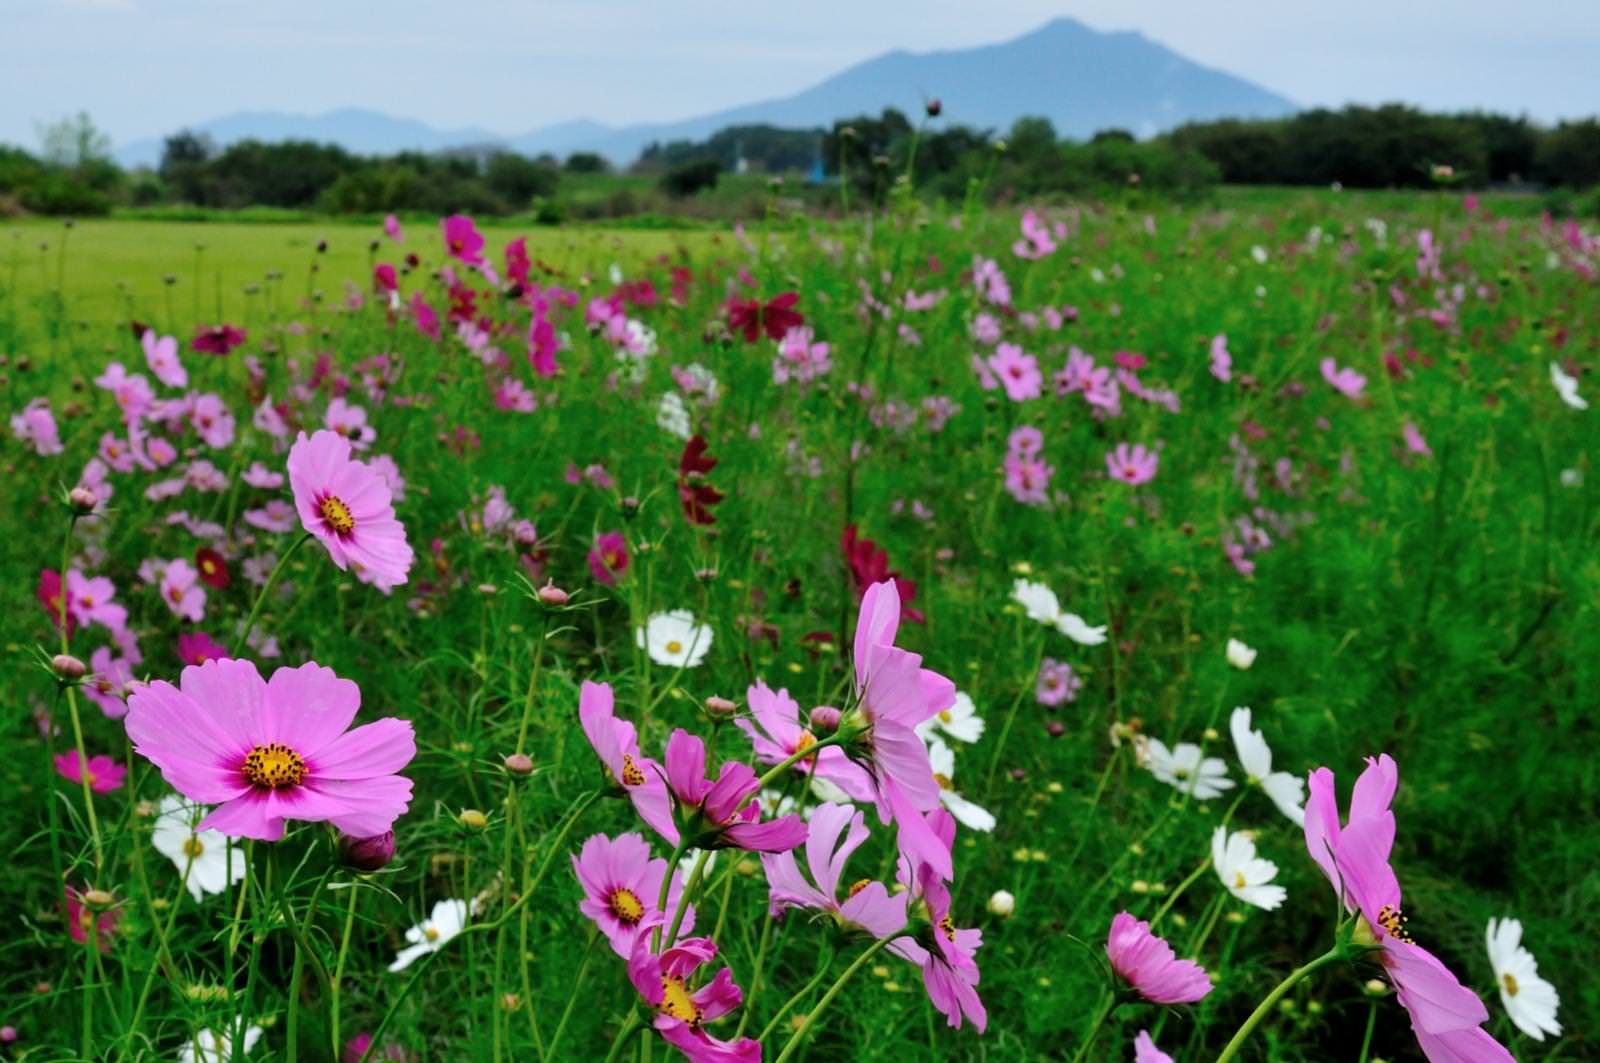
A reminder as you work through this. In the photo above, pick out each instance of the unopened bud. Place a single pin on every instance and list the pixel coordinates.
(97, 898)
(1375, 987)
(552, 595)
(1002, 904)
(510, 1001)
(367, 854)
(934, 107)
(825, 719)
(82, 499)
(519, 764)
(8, 1034)
(720, 708)
(68, 667)
(1056, 728)
(471, 817)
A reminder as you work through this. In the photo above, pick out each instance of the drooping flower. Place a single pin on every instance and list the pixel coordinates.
(1286, 791)
(674, 639)
(1531, 1001)
(347, 506)
(868, 905)
(621, 885)
(1148, 964)
(1187, 769)
(1242, 872)
(682, 1013)
(1132, 465)
(448, 919)
(776, 734)
(720, 813)
(266, 751)
(103, 773)
(203, 858)
(616, 743)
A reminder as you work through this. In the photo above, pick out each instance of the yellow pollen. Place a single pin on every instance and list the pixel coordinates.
(176, 594)
(625, 906)
(632, 774)
(859, 885)
(208, 566)
(274, 766)
(1510, 982)
(947, 927)
(676, 1001)
(193, 846)
(804, 741)
(337, 515)
(942, 780)
(674, 646)
(1391, 920)
(431, 933)
(944, 715)
(1238, 880)
(88, 777)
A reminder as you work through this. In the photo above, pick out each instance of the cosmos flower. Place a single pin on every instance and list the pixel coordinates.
(608, 559)
(347, 506)
(1221, 360)
(616, 743)
(683, 1013)
(869, 564)
(181, 591)
(694, 493)
(448, 919)
(1147, 963)
(1145, 1050)
(1132, 465)
(36, 426)
(82, 921)
(967, 813)
(720, 813)
(90, 601)
(209, 1046)
(1042, 605)
(776, 734)
(1017, 371)
(204, 854)
(217, 339)
(108, 682)
(103, 773)
(462, 241)
(1346, 381)
(212, 568)
(750, 317)
(868, 905)
(1528, 999)
(1187, 769)
(1242, 872)
(1239, 655)
(266, 751)
(960, 721)
(1567, 387)
(1057, 683)
(945, 954)
(674, 640)
(672, 416)
(621, 885)
(161, 355)
(1286, 791)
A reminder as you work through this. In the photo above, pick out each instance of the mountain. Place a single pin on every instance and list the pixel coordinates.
(1081, 79)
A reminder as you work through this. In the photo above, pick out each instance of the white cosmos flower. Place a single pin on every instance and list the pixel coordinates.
(449, 919)
(674, 639)
(1571, 477)
(1567, 388)
(1187, 769)
(1243, 873)
(1259, 253)
(1287, 791)
(960, 721)
(966, 813)
(1529, 1000)
(1240, 655)
(686, 865)
(215, 1047)
(204, 853)
(1041, 604)
(826, 791)
(672, 416)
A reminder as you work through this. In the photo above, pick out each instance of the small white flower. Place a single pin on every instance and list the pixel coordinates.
(1187, 769)
(449, 919)
(674, 639)
(1567, 388)
(208, 1046)
(205, 853)
(1240, 655)
(1041, 605)
(673, 416)
(1259, 253)
(966, 813)
(824, 790)
(960, 721)
(1529, 1000)
(1286, 791)
(1571, 477)
(690, 858)
(615, 273)
(1078, 630)
(1002, 904)
(1243, 873)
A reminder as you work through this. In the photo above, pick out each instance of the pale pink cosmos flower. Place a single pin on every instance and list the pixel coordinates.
(949, 972)
(721, 813)
(266, 751)
(621, 886)
(1221, 360)
(212, 421)
(616, 743)
(1147, 963)
(276, 516)
(350, 422)
(1081, 374)
(986, 329)
(391, 227)
(36, 426)
(681, 1013)
(258, 475)
(513, 395)
(1057, 684)
(269, 420)
(108, 682)
(347, 506)
(799, 358)
(1132, 465)
(161, 355)
(1028, 479)
(1018, 372)
(1346, 381)
(1025, 441)
(1145, 1050)
(103, 773)
(116, 453)
(181, 590)
(1415, 443)
(776, 734)
(867, 906)
(90, 601)
(131, 390)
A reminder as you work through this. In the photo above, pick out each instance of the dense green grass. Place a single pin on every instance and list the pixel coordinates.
(1440, 608)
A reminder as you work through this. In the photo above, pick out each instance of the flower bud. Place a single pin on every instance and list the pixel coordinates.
(8, 1034)
(1002, 904)
(472, 818)
(720, 708)
(934, 107)
(1056, 728)
(68, 667)
(519, 763)
(367, 854)
(82, 499)
(552, 595)
(825, 719)
(97, 898)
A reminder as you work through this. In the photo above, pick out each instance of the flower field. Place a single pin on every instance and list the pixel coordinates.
(1098, 632)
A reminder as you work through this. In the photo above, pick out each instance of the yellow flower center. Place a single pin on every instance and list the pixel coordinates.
(274, 766)
(632, 774)
(625, 905)
(943, 781)
(676, 1001)
(193, 846)
(1390, 918)
(674, 646)
(1238, 880)
(88, 776)
(804, 741)
(944, 715)
(947, 927)
(431, 933)
(337, 514)
(859, 885)
(1510, 983)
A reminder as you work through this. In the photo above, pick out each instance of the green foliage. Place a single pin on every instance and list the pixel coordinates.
(691, 178)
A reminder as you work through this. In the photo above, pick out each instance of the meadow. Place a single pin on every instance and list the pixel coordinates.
(1119, 468)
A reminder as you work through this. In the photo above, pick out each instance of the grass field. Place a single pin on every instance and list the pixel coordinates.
(1411, 555)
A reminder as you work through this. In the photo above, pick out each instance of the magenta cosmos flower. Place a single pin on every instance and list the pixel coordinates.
(945, 954)
(348, 506)
(181, 591)
(1018, 372)
(1132, 465)
(217, 339)
(266, 751)
(776, 735)
(621, 885)
(894, 693)
(720, 813)
(1148, 964)
(867, 906)
(682, 1013)
(462, 240)
(103, 773)
(617, 745)
(1446, 1016)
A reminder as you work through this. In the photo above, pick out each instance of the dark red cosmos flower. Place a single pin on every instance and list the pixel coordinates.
(696, 495)
(869, 565)
(52, 595)
(638, 293)
(196, 647)
(213, 568)
(217, 339)
(384, 279)
(749, 318)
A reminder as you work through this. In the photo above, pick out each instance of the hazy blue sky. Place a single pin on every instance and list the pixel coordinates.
(146, 67)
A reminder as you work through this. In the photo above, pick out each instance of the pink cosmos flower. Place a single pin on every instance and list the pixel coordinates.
(212, 421)
(391, 227)
(1148, 964)
(462, 240)
(258, 475)
(217, 339)
(1028, 479)
(424, 317)
(36, 425)
(89, 601)
(1081, 374)
(1025, 441)
(1057, 683)
(103, 773)
(384, 279)
(350, 422)
(276, 516)
(543, 342)
(681, 1013)
(108, 681)
(867, 906)
(1346, 381)
(81, 922)
(1221, 360)
(346, 505)
(513, 395)
(1415, 443)
(1132, 465)
(617, 745)
(800, 359)
(1145, 1050)
(266, 751)
(949, 972)
(776, 734)
(621, 885)
(609, 557)
(1446, 1016)
(720, 813)
(1018, 372)
(196, 647)
(161, 355)
(181, 591)
(131, 390)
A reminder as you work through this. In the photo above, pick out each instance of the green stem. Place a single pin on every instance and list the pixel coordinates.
(1178, 892)
(794, 758)
(1366, 1041)
(266, 589)
(72, 707)
(827, 998)
(747, 1008)
(688, 889)
(623, 1034)
(533, 684)
(1107, 1005)
(805, 991)
(572, 997)
(336, 984)
(1231, 1049)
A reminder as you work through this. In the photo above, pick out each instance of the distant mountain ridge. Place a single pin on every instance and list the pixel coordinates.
(1081, 79)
